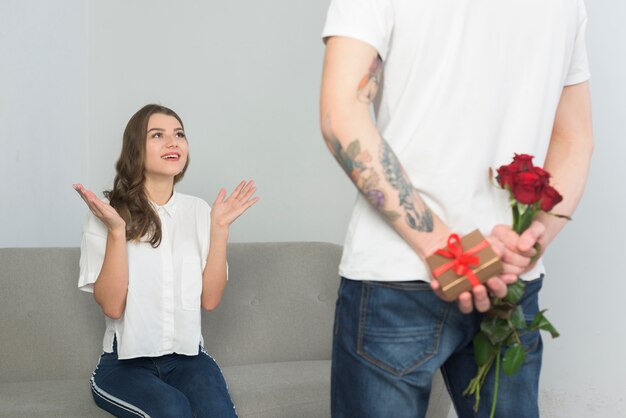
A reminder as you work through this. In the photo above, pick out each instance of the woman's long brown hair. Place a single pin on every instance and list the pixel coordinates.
(128, 196)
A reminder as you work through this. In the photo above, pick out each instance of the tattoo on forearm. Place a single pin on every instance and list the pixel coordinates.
(368, 87)
(409, 198)
(357, 164)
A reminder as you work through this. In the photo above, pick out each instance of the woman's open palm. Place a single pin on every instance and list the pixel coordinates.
(100, 209)
(226, 210)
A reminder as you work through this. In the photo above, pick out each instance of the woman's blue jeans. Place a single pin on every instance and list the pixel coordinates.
(173, 386)
(391, 337)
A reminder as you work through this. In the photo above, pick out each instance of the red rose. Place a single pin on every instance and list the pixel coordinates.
(505, 176)
(543, 174)
(549, 198)
(527, 187)
(522, 162)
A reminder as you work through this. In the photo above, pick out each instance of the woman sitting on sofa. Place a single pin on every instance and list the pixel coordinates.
(152, 258)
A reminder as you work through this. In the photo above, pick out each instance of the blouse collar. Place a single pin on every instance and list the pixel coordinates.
(169, 207)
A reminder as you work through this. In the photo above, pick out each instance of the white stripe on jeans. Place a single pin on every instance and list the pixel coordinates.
(116, 401)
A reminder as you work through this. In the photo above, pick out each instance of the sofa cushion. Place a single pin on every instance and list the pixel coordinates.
(281, 390)
(69, 398)
(279, 304)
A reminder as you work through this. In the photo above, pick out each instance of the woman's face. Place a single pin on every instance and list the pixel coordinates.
(166, 147)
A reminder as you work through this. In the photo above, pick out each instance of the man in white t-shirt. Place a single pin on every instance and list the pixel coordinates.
(457, 88)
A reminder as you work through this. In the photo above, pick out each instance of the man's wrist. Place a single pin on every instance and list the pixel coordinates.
(432, 242)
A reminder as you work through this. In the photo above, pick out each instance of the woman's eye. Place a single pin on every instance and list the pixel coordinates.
(180, 135)
(157, 135)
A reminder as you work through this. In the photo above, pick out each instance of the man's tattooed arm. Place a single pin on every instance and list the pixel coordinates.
(384, 182)
(370, 180)
(358, 166)
(349, 85)
(371, 164)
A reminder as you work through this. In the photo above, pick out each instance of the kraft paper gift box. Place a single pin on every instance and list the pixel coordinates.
(474, 254)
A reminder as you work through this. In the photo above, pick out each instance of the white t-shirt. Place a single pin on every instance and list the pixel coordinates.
(466, 84)
(162, 313)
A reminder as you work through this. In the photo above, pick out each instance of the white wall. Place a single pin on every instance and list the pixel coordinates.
(43, 120)
(244, 76)
(584, 372)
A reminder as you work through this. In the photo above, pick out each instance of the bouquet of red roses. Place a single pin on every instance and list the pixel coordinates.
(529, 194)
(529, 190)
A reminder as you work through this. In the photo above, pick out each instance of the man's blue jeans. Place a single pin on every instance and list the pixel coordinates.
(391, 337)
(173, 386)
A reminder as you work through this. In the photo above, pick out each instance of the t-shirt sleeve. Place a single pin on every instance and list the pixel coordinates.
(92, 248)
(579, 63)
(369, 21)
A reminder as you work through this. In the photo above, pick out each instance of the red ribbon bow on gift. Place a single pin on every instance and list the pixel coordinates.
(462, 262)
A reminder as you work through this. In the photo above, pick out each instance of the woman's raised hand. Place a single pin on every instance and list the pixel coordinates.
(226, 210)
(101, 210)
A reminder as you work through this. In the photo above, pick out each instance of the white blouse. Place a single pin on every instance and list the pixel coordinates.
(162, 313)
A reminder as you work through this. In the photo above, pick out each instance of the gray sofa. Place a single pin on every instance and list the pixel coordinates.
(271, 334)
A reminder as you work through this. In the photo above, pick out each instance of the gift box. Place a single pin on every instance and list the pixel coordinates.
(464, 263)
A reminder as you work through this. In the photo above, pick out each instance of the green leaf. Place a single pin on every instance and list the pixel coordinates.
(518, 319)
(502, 310)
(513, 359)
(513, 339)
(541, 322)
(515, 292)
(483, 349)
(496, 329)
(354, 149)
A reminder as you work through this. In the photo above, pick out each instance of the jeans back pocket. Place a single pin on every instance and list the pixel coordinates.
(399, 324)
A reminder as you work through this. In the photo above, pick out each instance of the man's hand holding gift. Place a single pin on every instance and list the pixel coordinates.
(517, 255)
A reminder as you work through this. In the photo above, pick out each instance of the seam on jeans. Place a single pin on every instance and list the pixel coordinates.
(362, 314)
(156, 366)
(107, 397)
(534, 346)
(338, 305)
(413, 285)
(225, 382)
(378, 363)
(439, 328)
(365, 291)
(537, 341)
